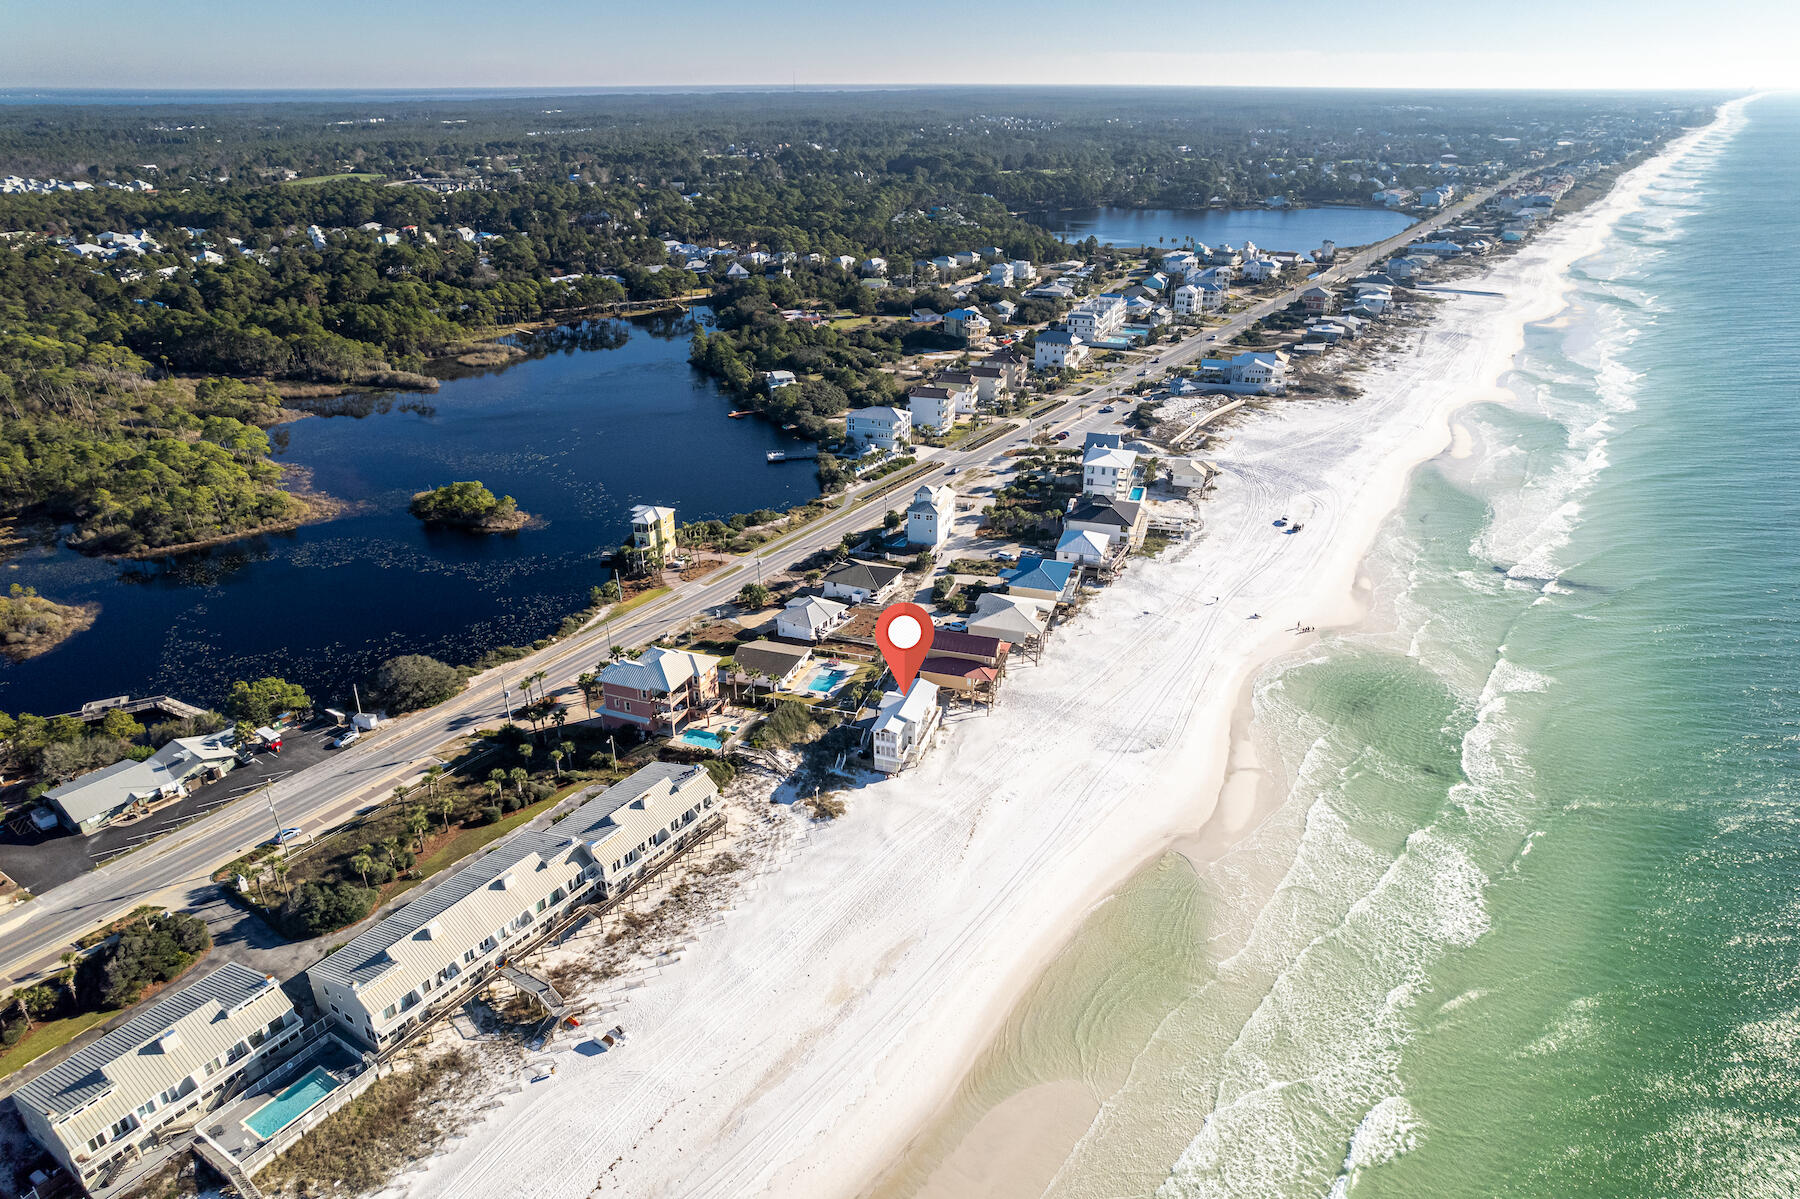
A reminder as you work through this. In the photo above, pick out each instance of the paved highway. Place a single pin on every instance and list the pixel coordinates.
(37, 933)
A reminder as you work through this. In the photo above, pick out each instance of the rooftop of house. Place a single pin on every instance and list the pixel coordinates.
(881, 413)
(866, 576)
(771, 658)
(1040, 574)
(912, 707)
(1084, 541)
(949, 641)
(658, 669)
(647, 514)
(1101, 510)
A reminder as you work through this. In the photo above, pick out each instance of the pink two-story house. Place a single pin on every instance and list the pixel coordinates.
(662, 691)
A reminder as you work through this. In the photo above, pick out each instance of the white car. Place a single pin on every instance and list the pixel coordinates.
(348, 739)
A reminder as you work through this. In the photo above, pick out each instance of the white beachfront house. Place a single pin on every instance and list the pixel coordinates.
(930, 516)
(903, 726)
(1082, 547)
(102, 1106)
(880, 426)
(1198, 297)
(430, 953)
(1057, 350)
(810, 618)
(1107, 471)
(936, 409)
(1097, 317)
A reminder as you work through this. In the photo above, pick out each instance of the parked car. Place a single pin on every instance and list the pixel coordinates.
(1108, 407)
(348, 739)
(1063, 436)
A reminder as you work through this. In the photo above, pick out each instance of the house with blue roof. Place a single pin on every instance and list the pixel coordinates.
(1041, 578)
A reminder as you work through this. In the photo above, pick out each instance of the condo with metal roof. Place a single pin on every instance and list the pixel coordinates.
(177, 1059)
(430, 953)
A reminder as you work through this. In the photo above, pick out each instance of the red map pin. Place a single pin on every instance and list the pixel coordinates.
(903, 631)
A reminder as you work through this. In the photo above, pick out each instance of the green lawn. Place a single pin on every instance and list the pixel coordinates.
(315, 180)
(636, 601)
(468, 840)
(51, 1034)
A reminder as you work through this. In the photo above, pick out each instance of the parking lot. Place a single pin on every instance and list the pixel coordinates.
(38, 861)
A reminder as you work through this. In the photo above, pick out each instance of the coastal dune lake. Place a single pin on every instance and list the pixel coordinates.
(597, 418)
(1299, 229)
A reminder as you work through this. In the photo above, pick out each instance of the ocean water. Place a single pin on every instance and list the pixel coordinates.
(1528, 920)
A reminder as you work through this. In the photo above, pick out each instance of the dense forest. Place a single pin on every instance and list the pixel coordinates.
(135, 387)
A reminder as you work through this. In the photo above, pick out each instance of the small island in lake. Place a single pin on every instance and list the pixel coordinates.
(469, 505)
(31, 625)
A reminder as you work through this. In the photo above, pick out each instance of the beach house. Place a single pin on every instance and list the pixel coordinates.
(810, 618)
(1118, 522)
(1107, 471)
(1015, 619)
(1316, 300)
(660, 691)
(1097, 317)
(1012, 362)
(105, 1104)
(1056, 349)
(937, 409)
(770, 665)
(903, 726)
(430, 953)
(930, 516)
(1083, 547)
(991, 382)
(966, 323)
(653, 529)
(882, 427)
(860, 582)
(1040, 578)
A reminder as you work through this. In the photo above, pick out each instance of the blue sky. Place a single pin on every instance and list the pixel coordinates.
(604, 43)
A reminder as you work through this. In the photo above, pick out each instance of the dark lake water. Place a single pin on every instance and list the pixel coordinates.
(1297, 229)
(597, 419)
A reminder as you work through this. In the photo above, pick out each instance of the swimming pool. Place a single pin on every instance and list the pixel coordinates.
(704, 738)
(292, 1103)
(1137, 495)
(828, 679)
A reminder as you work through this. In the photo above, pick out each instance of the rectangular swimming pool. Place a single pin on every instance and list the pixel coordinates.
(704, 738)
(828, 679)
(291, 1103)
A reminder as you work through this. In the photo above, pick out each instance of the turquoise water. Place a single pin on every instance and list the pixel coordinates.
(1524, 922)
(702, 738)
(828, 679)
(1538, 934)
(292, 1103)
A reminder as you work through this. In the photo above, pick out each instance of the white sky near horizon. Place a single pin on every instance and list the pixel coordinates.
(1536, 44)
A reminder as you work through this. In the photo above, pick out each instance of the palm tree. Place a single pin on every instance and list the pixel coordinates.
(433, 775)
(568, 750)
(447, 805)
(281, 867)
(589, 682)
(525, 752)
(559, 715)
(556, 757)
(494, 786)
(416, 824)
(400, 792)
(67, 976)
(518, 776)
(362, 863)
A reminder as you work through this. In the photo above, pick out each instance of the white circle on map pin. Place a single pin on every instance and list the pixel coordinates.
(903, 631)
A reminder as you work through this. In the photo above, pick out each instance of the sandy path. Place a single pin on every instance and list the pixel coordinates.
(798, 1043)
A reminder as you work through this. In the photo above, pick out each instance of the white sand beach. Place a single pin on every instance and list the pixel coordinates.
(799, 1042)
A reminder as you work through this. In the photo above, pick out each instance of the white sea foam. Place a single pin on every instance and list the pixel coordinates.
(1389, 1129)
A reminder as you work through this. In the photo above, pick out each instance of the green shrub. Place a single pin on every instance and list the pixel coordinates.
(319, 907)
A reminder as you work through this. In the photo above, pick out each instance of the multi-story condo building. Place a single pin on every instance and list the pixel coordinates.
(97, 1110)
(1097, 317)
(433, 951)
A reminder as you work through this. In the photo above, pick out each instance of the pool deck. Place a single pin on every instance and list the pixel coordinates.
(227, 1126)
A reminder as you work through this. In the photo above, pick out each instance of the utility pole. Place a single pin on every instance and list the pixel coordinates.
(613, 750)
(357, 696)
(269, 797)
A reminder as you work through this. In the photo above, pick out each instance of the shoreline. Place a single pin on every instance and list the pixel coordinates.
(1244, 791)
(819, 1028)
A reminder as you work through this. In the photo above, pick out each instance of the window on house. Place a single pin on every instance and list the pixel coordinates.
(95, 1141)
